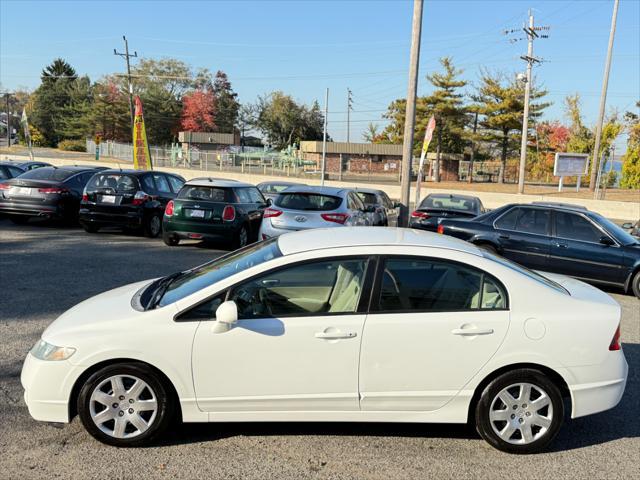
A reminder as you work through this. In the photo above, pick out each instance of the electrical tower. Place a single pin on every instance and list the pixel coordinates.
(349, 108)
(531, 31)
(126, 55)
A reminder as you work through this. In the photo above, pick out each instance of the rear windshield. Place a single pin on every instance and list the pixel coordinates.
(116, 182)
(368, 198)
(308, 201)
(48, 173)
(449, 203)
(208, 194)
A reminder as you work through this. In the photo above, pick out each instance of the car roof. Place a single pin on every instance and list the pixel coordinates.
(561, 205)
(317, 189)
(125, 171)
(375, 191)
(323, 238)
(12, 163)
(278, 182)
(452, 195)
(212, 182)
(69, 168)
(552, 205)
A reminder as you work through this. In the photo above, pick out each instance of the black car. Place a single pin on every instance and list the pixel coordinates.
(10, 170)
(632, 228)
(570, 241)
(386, 211)
(28, 165)
(215, 210)
(46, 192)
(435, 207)
(131, 199)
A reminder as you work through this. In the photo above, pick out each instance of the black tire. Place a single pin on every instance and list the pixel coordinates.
(170, 240)
(241, 238)
(90, 227)
(488, 248)
(523, 418)
(153, 225)
(158, 421)
(19, 219)
(635, 284)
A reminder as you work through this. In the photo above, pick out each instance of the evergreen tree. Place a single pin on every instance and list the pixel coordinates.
(227, 105)
(76, 114)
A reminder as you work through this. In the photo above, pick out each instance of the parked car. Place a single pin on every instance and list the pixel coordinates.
(305, 207)
(215, 210)
(26, 166)
(437, 206)
(10, 170)
(571, 241)
(46, 192)
(277, 332)
(131, 199)
(386, 211)
(633, 229)
(272, 189)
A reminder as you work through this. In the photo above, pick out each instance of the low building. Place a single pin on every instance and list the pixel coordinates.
(208, 140)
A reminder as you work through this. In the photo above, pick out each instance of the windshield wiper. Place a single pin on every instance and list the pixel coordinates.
(161, 287)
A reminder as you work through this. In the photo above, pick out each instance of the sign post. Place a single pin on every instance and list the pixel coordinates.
(570, 165)
(97, 140)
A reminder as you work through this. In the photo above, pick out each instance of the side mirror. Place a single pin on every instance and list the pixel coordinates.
(226, 317)
(627, 225)
(604, 240)
(269, 202)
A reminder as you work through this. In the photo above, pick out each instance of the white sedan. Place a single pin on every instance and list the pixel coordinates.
(354, 324)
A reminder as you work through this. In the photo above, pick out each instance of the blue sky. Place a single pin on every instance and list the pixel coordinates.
(304, 47)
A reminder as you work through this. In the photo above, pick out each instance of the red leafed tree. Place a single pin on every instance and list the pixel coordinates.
(198, 111)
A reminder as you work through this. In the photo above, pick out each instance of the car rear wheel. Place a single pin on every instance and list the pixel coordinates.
(170, 240)
(125, 405)
(520, 412)
(487, 247)
(242, 237)
(635, 284)
(90, 228)
(153, 226)
(19, 219)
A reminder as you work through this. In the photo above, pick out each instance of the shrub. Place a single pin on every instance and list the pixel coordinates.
(73, 145)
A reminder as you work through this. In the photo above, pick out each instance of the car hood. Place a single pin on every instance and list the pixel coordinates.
(581, 290)
(96, 313)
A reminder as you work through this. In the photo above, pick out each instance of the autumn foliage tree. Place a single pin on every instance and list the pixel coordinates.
(198, 111)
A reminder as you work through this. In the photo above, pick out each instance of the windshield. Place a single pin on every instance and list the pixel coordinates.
(116, 182)
(308, 201)
(47, 173)
(618, 232)
(212, 272)
(449, 203)
(209, 194)
(525, 271)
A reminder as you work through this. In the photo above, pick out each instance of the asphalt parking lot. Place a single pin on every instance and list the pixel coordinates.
(46, 269)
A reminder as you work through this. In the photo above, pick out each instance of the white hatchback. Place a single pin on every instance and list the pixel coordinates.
(353, 324)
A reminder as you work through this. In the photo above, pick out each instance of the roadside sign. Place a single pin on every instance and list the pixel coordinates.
(570, 165)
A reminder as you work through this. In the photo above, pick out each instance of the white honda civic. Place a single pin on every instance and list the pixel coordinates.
(342, 325)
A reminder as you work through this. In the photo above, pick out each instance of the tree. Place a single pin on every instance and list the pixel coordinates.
(226, 103)
(198, 111)
(284, 122)
(56, 70)
(631, 159)
(246, 120)
(110, 113)
(501, 104)
(76, 121)
(371, 133)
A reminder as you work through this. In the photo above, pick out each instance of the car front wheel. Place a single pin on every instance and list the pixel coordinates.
(520, 412)
(635, 284)
(125, 405)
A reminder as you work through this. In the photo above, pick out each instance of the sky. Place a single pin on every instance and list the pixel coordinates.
(303, 47)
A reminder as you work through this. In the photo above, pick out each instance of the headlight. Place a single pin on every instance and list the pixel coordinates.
(46, 351)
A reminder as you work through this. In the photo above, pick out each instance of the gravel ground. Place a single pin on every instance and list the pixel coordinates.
(45, 270)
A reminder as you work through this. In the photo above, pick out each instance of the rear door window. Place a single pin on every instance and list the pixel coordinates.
(533, 220)
(208, 194)
(3, 174)
(368, 198)
(162, 184)
(148, 185)
(176, 183)
(308, 201)
(15, 171)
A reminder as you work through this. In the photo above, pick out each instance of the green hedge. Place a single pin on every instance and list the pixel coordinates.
(73, 145)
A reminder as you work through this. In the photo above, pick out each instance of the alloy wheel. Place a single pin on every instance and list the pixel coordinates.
(154, 225)
(521, 413)
(123, 406)
(243, 237)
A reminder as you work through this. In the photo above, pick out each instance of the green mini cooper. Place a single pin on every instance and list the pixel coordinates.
(214, 210)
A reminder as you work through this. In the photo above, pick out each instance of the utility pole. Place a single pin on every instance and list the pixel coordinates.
(473, 149)
(410, 114)
(349, 108)
(603, 100)
(6, 96)
(324, 137)
(126, 55)
(532, 34)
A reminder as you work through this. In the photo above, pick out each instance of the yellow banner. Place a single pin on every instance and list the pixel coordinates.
(141, 153)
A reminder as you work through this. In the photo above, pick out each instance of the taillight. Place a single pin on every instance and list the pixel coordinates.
(168, 211)
(335, 217)
(85, 197)
(53, 190)
(615, 341)
(229, 213)
(5, 186)
(140, 198)
(272, 212)
(420, 215)
(440, 229)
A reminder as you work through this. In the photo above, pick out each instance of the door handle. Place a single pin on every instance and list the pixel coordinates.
(335, 335)
(561, 245)
(504, 236)
(468, 332)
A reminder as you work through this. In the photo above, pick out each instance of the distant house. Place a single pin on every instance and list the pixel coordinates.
(208, 140)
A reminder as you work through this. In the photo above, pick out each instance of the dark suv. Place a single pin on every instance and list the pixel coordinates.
(131, 199)
(215, 210)
(559, 239)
